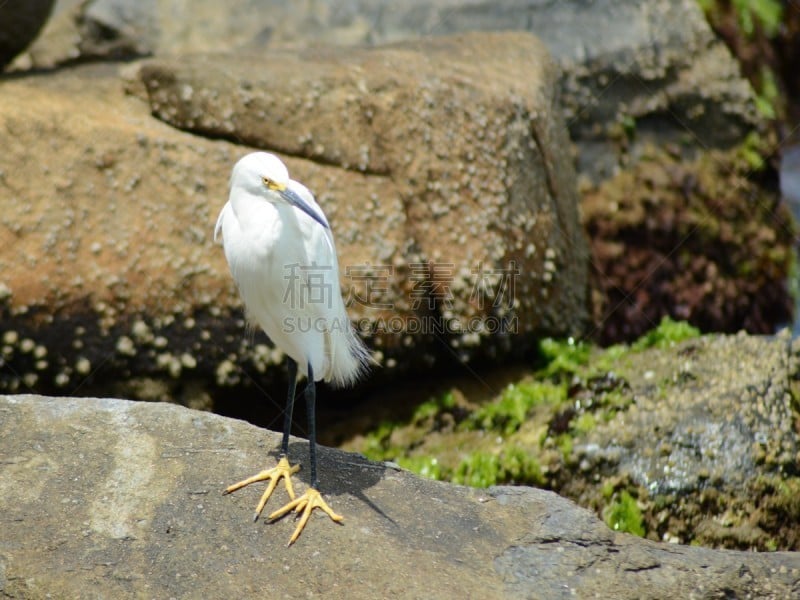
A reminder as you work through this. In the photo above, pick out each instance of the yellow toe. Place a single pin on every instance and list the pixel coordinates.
(303, 506)
(280, 471)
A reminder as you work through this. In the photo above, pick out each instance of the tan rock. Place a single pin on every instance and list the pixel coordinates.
(107, 210)
(464, 130)
(107, 228)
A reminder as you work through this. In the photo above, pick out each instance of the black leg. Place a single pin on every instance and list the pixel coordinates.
(311, 395)
(287, 415)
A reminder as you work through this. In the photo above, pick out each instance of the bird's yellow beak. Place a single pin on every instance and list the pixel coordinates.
(294, 199)
(274, 185)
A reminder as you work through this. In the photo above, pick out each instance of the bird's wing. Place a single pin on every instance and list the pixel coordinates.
(308, 197)
(218, 227)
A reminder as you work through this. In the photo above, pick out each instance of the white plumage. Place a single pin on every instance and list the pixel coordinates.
(285, 266)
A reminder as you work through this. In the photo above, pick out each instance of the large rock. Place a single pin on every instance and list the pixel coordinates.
(113, 210)
(632, 71)
(637, 73)
(122, 499)
(106, 261)
(465, 130)
(709, 443)
(694, 442)
(634, 75)
(20, 22)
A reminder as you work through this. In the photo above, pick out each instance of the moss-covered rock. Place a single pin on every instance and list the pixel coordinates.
(677, 437)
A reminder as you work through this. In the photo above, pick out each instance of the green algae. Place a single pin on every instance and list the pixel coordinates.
(513, 465)
(667, 333)
(624, 515)
(512, 408)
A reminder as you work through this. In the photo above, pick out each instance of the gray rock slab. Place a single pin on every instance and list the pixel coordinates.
(111, 498)
(726, 419)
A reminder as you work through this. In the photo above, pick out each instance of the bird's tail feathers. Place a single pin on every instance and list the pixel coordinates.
(350, 359)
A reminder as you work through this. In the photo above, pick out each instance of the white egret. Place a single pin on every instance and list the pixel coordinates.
(280, 250)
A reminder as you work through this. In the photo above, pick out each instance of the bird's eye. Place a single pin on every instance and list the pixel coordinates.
(268, 182)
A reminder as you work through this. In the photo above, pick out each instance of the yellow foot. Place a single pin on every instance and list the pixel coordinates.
(282, 469)
(310, 500)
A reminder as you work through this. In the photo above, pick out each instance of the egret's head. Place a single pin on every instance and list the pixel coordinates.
(264, 175)
(259, 172)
